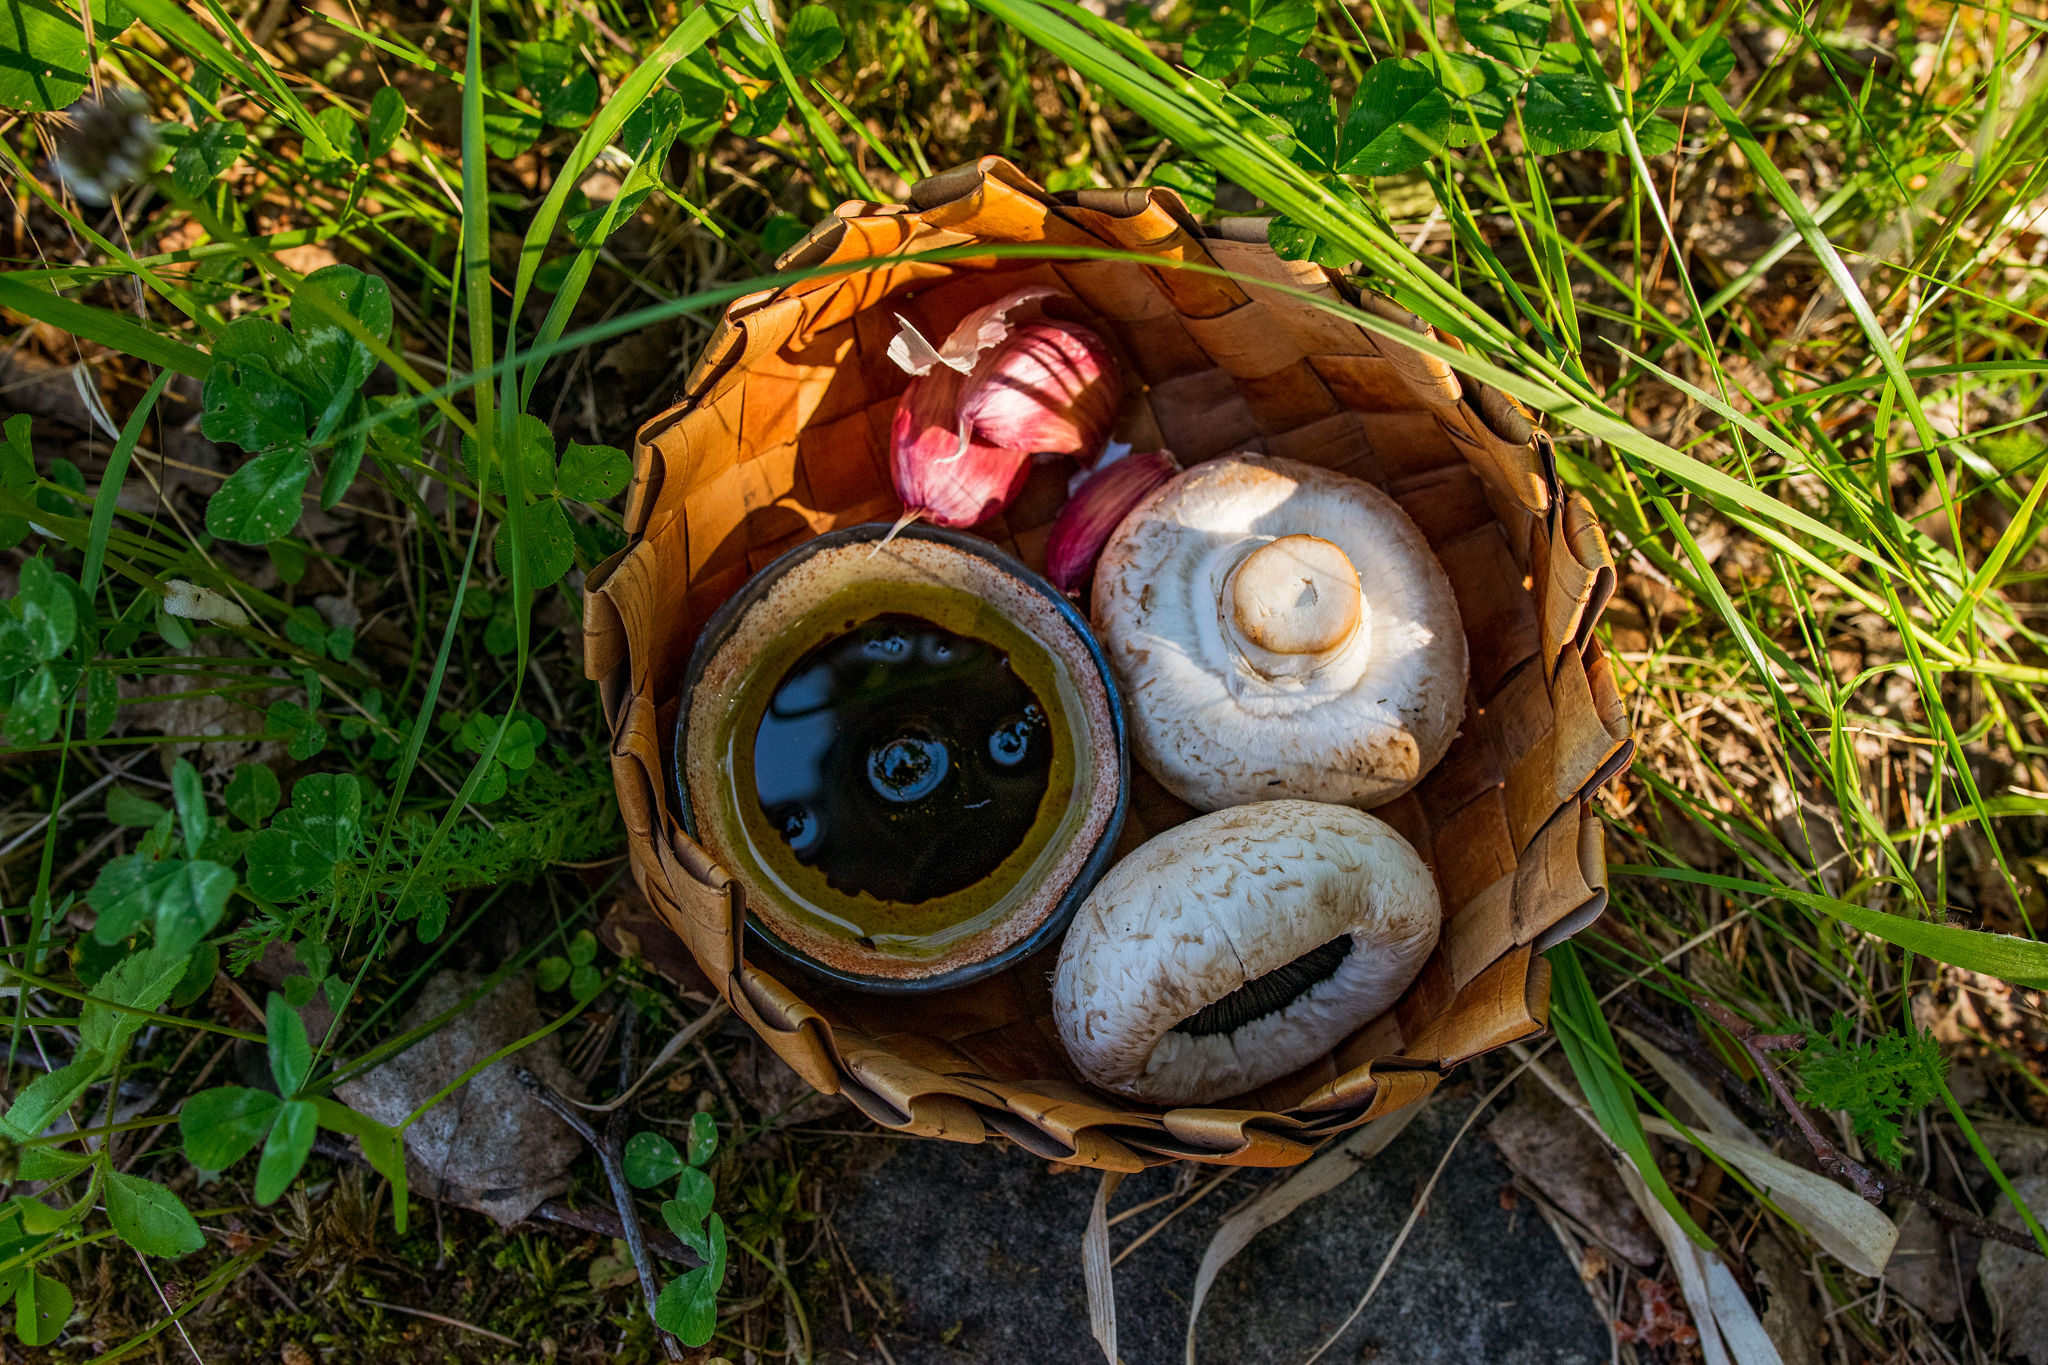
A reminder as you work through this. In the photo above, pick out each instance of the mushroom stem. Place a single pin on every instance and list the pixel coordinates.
(1291, 605)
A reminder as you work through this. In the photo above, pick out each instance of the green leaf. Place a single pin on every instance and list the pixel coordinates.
(650, 1160)
(1564, 111)
(1879, 1082)
(150, 1218)
(1663, 86)
(41, 621)
(141, 981)
(306, 629)
(285, 1151)
(260, 501)
(43, 63)
(1194, 182)
(1512, 30)
(346, 457)
(1246, 31)
(337, 125)
(288, 559)
(651, 129)
(591, 228)
(50, 1094)
(387, 120)
(37, 708)
(585, 983)
(207, 152)
(694, 1196)
(688, 1307)
(291, 1056)
(703, 1139)
(131, 809)
(813, 39)
(102, 702)
(252, 793)
(583, 948)
(1398, 121)
(247, 400)
(50, 1163)
(550, 545)
(1655, 136)
(329, 365)
(535, 446)
(761, 114)
(551, 973)
(593, 473)
(1478, 90)
(563, 87)
(300, 729)
(306, 843)
(383, 1147)
(197, 978)
(190, 796)
(1278, 84)
(41, 1308)
(184, 900)
(510, 132)
(222, 1125)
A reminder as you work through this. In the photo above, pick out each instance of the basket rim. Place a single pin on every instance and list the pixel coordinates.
(727, 617)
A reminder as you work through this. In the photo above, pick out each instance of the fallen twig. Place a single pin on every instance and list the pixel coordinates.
(1832, 1159)
(1887, 1180)
(611, 1154)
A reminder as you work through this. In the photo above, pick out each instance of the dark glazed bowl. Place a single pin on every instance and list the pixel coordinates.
(1040, 599)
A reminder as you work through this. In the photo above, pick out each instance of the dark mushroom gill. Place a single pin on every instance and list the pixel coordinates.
(1263, 995)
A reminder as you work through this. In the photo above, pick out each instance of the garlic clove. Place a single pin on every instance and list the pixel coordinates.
(1051, 387)
(1098, 506)
(941, 472)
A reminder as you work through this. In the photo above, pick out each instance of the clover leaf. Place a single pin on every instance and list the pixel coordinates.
(1246, 31)
(813, 39)
(1515, 31)
(306, 843)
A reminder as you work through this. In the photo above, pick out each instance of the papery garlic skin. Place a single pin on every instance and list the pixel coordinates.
(1050, 388)
(1099, 504)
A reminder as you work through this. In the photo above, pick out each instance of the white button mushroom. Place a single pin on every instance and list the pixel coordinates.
(1280, 630)
(1239, 947)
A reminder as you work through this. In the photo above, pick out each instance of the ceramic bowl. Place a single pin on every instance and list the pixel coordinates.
(821, 590)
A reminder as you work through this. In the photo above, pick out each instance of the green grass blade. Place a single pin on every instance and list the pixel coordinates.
(110, 484)
(1589, 1045)
(104, 326)
(2021, 961)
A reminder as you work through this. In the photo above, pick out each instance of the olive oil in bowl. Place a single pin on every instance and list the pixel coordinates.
(911, 758)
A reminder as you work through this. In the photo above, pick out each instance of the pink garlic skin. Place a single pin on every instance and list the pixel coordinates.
(938, 480)
(1097, 508)
(1050, 387)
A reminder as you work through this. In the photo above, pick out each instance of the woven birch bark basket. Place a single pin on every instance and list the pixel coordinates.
(783, 434)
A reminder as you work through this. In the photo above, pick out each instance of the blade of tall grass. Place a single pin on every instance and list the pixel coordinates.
(110, 484)
(103, 326)
(2021, 961)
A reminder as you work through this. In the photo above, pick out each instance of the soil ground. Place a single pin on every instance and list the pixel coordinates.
(980, 1250)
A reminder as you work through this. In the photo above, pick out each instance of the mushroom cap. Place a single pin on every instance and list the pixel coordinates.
(1193, 915)
(1280, 630)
